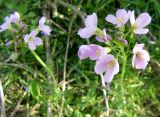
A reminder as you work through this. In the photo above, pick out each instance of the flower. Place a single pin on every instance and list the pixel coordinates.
(6, 25)
(44, 28)
(139, 24)
(121, 18)
(91, 51)
(104, 38)
(107, 64)
(14, 18)
(90, 26)
(140, 58)
(32, 40)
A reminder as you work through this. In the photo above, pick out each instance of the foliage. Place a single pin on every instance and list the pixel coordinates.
(20, 72)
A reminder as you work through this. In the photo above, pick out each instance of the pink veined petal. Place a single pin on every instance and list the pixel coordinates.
(31, 45)
(45, 29)
(33, 33)
(138, 47)
(26, 38)
(42, 20)
(15, 17)
(101, 63)
(91, 21)
(84, 52)
(140, 64)
(100, 67)
(121, 13)
(96, 51)
(37, 41)
(132, 18)
(116, 66)
(145, 55)
(108, 76)
(141, 31)
(86, 32)
(111, 18)
(143, 20)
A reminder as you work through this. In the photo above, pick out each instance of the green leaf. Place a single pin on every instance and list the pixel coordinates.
(34, 89)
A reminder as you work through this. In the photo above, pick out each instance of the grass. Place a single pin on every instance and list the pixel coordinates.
(83, 95)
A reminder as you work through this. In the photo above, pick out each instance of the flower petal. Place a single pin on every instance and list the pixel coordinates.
(45, 29)
(86, 32)
(138, 47)
(145, 55)
(141, 31)
(108, 76)
(33, 33)
(91, 20)
(132, 18)
(111, 19)
(31, 45)
(37, 41)
(143, 20)
(42, 20)
(84, 52)
(26, 38)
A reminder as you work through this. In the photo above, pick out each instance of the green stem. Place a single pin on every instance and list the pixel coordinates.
(124, 60)
(43, 64)
(105, 95)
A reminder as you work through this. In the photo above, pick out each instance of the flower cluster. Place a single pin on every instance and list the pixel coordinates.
(107, 63)
(19, 29)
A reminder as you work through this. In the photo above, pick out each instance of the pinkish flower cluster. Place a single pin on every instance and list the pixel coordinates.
(19, 29)
(107, 63)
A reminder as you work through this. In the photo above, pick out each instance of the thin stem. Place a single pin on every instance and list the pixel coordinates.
(2, 101)
(105, 95)
(43, 64)
(124, 60)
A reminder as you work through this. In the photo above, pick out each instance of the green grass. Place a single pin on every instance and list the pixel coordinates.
(83, 95)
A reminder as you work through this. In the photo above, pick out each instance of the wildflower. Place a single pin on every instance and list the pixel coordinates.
(32, 40)
(139, 24)
(91, 26)
(6, 25)
(107, 64)
(44, 28)
(121, 18)
(140, 58)
(104, 38)
(8, 43)
(14, 18)
(91, 51)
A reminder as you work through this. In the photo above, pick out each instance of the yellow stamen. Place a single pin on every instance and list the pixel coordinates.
(139, 55)
(110, 64)
(120, 20)
(98, 52)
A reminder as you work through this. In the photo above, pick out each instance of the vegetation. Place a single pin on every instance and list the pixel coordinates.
(30, 91)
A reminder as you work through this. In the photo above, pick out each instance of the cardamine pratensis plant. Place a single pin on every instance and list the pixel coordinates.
(107, 65)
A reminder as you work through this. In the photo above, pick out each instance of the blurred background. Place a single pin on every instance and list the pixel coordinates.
(20, 72)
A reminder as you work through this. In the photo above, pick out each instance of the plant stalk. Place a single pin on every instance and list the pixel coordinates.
(105, 95)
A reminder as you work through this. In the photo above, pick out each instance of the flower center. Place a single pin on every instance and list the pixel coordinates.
(120, 20)
(110, 64)
(98, 52)
(139, 55)
(30, 39)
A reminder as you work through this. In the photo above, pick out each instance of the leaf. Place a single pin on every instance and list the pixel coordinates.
(34, 89)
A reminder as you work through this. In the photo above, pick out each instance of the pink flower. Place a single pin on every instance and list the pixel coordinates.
(44, 28)
(91, 26)
(6, 25)
(140, 58)
(14, 18)
(121, 18)
(139, 24)
(107, 64)
(32, 40)
(104, 38)
(91, 51)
